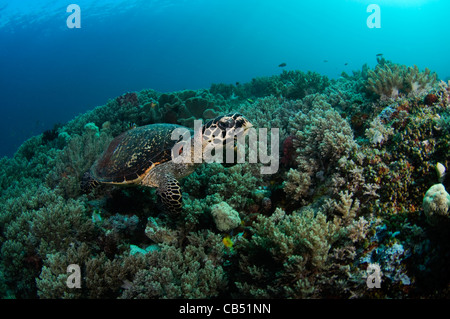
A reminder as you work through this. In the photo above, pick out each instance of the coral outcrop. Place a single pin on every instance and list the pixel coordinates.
(436, 203)
(225, 217)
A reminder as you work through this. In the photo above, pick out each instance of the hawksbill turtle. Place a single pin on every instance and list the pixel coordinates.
(143, 156)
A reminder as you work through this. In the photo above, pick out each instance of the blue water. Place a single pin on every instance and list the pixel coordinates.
(50, 73)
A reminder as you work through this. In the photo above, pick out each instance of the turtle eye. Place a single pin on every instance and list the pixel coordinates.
(226, 123)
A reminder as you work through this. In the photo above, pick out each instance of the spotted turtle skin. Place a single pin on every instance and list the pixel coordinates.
(131, 155)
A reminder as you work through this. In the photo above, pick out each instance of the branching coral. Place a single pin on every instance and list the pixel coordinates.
(40, 222)
(292, 256)
(269, 112)
(76, 158)
(346, 93)
(321, 138)
(193, 271)
(234, 184)
(161, 234)
(298, 184)
(101, 277)
(346, 208)
(321, 134)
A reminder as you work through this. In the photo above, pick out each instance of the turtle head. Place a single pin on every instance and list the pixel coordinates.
(222, 133)
(219, 133)
(225, 126)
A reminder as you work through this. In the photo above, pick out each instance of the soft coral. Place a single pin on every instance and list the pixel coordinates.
(128, 98)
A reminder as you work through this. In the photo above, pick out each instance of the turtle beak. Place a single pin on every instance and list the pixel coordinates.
(242, 122)
(247, 125)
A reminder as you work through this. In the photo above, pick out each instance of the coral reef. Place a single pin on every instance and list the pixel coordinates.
(295, 256)
(361, 184)
(445, 92)
(289, 84)
(378, 133)
(192, 271)
(323, 142)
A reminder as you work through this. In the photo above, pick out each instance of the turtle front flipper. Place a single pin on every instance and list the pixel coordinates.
(170, 193)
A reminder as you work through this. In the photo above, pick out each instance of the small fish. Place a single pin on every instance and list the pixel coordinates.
(227, 241)
(96, 217)
(380, 54)
(282, 65)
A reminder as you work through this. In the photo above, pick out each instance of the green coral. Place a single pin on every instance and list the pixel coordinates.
(289, 84)
(234, 184)
(186, 106)
(101, 277)
(39, 222)
(296, 84)
(192, 271)
(295, 256)
(323, 141)
(76, 158)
